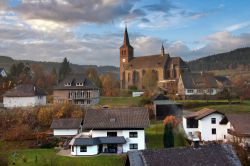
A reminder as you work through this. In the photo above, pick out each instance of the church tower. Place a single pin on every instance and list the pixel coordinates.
(126, 55)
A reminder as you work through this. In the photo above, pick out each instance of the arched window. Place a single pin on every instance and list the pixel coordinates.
(128, 77)
(155, 72)
(136, 77)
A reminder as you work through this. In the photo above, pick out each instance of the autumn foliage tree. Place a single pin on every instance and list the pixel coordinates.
(170, 123)
(93, 76)
(110, 85)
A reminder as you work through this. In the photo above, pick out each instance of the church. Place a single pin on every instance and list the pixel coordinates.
(132, 69)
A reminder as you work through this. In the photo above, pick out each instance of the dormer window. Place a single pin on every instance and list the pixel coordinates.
(67, 84)
(79, 84)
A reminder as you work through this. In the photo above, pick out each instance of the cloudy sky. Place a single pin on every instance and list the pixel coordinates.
(91, 31)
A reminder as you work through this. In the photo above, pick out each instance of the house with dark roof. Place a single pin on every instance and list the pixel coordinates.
(24, 95)
(66, 127)
(132, 69)
(163, 106)
(111, 130)
(3, 73)
(207, 155)
(198, 86)
(239, 128)
(76, 89)
(206, 124)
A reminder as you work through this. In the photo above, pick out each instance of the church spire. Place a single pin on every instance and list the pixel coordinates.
(126, 38)
(162, 50)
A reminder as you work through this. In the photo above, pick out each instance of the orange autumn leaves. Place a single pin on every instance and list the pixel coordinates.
(171, 119)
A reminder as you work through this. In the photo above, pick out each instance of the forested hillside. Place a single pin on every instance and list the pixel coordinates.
(6, 63)
(239, 58)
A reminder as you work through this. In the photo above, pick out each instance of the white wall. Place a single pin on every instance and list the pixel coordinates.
(91, 150)
(196, 92)
(205, 127)
(189, 130)
(65, 132)
(140, 140)
(11, 102)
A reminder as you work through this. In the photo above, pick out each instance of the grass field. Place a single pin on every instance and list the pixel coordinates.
(120, 101)
(243, 107)
(43, 157)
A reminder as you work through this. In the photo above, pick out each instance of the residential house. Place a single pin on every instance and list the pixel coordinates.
(66, 127)
(239, 128)
(198, 86)
(163, 106)
(207, 155)
(3, 73)
(76, 89)
(206, 124)
(112, 131)
(223, 81)
(24, 95)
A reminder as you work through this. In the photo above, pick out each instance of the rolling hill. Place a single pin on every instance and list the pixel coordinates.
(236, 59)
(6, 63)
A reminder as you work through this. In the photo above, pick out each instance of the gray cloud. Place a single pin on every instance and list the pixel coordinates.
(75, 11)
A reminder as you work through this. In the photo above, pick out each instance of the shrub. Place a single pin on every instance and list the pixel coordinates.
(19, 133)
(4, 160)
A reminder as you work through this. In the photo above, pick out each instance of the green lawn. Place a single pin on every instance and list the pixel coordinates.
(43, 157)
(228, 108)
(120, 101)
(154, 136)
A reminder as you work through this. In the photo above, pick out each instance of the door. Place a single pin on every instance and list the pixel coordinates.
(112, 148)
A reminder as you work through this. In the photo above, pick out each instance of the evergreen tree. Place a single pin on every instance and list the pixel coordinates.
(168, 137)
(64, 69)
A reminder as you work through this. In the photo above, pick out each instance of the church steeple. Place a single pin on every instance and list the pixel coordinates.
(162, 50)
(126, 38)
(126, 55)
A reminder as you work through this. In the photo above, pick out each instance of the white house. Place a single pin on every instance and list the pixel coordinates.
(24, 95)
(67, 127)
(198, 86)
(239, 128)
(112, 131)
(206, 124)
(3, 73)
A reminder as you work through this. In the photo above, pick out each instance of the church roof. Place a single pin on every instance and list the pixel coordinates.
(151, 61)
(155, 61)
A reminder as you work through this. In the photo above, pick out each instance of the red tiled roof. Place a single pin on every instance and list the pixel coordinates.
(202, 113)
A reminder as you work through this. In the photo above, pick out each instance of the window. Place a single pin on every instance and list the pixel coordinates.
(111, 134)
(72, 148)
(200, 91)
(83, 148)
(192, 123)
(133, 146)
(67, 84)
(190, 91)
(213, 120)
(79, 84)
(133, 135)
(213, 131)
